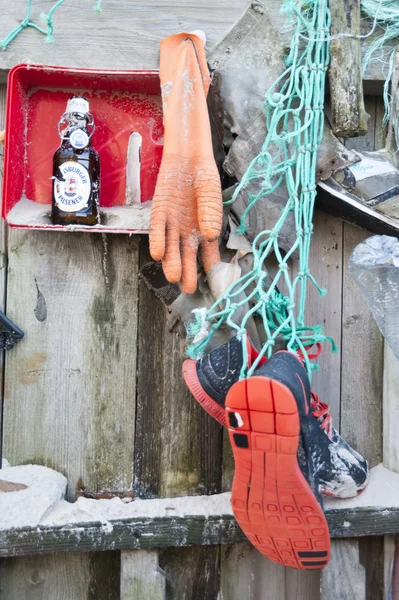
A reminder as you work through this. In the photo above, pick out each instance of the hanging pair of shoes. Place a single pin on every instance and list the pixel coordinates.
(286, 451)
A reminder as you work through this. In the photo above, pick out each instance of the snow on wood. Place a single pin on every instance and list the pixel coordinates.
(38, 519)
(114, 219)
(46, 488)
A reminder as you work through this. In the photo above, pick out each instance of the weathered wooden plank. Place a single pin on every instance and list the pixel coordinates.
(351, 583)
(361, 389)
(366, 142)
(3, 261)
(247, 574)
(391, 410)
(371, 556)
(70, 386)
(141, 576)
(127, 33)
(349, 118)
(192, 573)
(361, 408)
(389, 556)
(325, 264)
(62, 577)
(178, 446)
(361, 380)
(142, 533)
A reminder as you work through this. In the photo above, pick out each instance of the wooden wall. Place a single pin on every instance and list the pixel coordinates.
(95, 390)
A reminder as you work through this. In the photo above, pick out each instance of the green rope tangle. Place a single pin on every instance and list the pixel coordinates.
(48, 32)
(384, 13)
(48, 19)
(295, 119)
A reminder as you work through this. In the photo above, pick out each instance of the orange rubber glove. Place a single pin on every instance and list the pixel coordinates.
(187, 207)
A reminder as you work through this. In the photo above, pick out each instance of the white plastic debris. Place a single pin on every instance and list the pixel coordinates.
(374, 265)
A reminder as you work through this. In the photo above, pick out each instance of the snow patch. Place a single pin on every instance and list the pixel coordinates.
(381, 492)
(43, 503)
(46, 488)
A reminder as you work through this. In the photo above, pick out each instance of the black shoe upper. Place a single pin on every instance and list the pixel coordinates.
(325, 461)
(286, 368)
(220, 369)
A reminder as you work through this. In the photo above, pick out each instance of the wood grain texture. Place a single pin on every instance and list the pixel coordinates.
(361, 382)
(178, 446)
(391, 410)
(351, 582)
(325, 264)
(127, 33)
(247, 574)
(361, 379)
(141, 576)
(91, 576)
(367, 142)
(178, 532)
(70, 385)
(349, 118)
(389, 555)
(371, 556)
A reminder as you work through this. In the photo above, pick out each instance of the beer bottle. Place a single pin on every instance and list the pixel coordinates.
(76, 168)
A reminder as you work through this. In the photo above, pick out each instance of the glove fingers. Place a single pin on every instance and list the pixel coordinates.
(209, 200)
(210, 254)
(157, 234)
(171, 262)
(189, 263)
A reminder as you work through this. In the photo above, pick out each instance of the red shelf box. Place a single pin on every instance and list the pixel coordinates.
(122, 102)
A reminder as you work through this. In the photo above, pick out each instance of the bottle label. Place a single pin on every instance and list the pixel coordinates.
(79, 139)
(72, 188)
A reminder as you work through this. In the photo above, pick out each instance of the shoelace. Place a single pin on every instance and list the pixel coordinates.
(321, 411)
(311, 355)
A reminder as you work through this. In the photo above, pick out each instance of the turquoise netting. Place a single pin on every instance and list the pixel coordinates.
(295, 119)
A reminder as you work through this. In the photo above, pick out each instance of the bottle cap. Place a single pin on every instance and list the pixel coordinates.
(77, 104)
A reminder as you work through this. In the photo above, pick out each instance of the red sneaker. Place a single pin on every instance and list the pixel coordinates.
(342, 472)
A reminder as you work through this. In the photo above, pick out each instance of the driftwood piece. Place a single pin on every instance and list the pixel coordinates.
(349, 118)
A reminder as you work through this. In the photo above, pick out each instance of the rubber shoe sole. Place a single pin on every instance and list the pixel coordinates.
(193, 383)
(271, 499)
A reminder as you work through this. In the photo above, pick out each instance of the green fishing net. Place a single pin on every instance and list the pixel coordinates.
(294, 115)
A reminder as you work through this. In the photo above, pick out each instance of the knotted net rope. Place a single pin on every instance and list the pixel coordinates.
(385, 14)
(294, 116)
(47, 18)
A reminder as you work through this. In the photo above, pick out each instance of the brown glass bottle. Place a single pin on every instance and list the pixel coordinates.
(76, 169)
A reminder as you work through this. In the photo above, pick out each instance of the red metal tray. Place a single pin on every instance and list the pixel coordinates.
(122, 102)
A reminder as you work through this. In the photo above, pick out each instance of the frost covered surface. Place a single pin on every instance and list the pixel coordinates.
(42, 502)
(46, 488)
(374, 265)
(104, 511)
(119, 218)
(381, 492)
